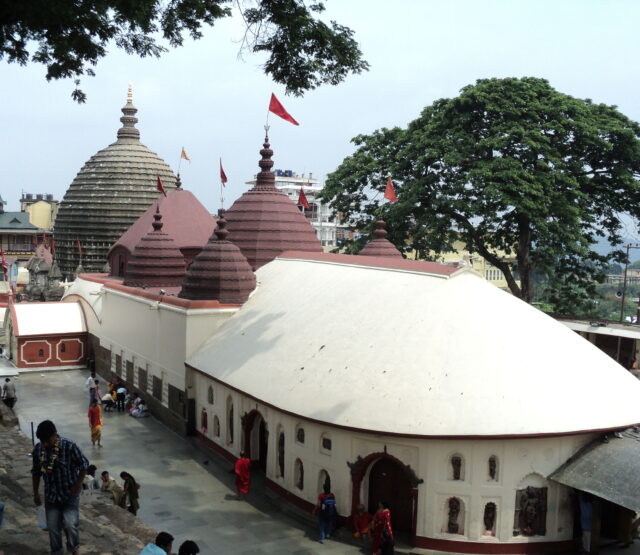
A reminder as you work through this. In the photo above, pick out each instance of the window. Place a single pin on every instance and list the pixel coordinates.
(204, 422)
(300, 435)
(229, 420)
(142, 379)
(325, 442)
(41, 353)
(157, 388)
(324, 480)
(281, 454)
(216, 426)
(299, 474)
(210, 395)
(63, 347)
(493, 468)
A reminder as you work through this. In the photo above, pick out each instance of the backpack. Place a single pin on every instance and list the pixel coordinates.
(328, 506)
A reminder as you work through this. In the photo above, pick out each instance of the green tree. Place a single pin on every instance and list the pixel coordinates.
(70, 36)
(509, 167)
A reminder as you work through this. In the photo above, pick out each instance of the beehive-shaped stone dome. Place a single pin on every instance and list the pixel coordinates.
(156, 260)
(264, 222)
(219, 272)
(380, 245)
(109, 193)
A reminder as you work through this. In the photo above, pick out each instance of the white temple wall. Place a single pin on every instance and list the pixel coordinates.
(520, 462)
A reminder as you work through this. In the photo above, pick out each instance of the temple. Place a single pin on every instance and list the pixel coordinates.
(110, 192)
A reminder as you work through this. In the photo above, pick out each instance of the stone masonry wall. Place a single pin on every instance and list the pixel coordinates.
(104, 528)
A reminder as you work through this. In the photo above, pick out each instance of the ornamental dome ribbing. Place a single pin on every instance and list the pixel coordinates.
(265, 222)
(111, 191)
(220, 272)
(380, 245)
(156, 260)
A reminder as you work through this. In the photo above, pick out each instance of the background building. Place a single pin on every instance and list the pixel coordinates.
(42, 209)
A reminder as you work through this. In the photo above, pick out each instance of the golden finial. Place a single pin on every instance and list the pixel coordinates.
(129, 95)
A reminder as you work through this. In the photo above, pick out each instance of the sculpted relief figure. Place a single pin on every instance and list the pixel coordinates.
(454, 511)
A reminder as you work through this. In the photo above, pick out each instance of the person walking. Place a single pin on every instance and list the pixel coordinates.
(90, 384)
(131, 496)
(9, 393)
(382, 532)
(243, 475)
(95, 422)
(62, 466)
(325, 510)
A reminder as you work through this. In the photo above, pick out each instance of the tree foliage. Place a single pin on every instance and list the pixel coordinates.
(524, 175)
(71, 36)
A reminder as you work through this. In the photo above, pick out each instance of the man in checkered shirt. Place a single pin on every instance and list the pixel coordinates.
(63, 466)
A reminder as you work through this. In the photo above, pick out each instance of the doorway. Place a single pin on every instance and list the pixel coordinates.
(256, 440)
(389, 482)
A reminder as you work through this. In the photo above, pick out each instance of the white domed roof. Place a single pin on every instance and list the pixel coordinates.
(411, 353)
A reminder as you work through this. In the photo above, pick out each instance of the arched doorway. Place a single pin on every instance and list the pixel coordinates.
(388, 482)
(387, 478)
(256, 437)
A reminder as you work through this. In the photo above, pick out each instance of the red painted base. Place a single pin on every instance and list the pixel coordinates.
(452, 546)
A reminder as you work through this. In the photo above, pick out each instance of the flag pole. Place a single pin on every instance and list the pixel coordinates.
(180, 161)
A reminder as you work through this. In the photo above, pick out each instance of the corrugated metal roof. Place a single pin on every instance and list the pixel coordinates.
(608, 470)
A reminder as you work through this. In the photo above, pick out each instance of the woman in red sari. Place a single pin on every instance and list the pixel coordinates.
(243, 475)
(382, 533)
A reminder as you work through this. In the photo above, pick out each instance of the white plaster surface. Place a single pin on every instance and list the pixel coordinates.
(51, 318)
(408, 353)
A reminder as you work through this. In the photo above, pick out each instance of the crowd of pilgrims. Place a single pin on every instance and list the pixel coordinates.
(377, 526)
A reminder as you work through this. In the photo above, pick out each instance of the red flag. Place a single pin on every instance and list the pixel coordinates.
(302, 200)
(223, 176)
(79, 246)
(160, 187)
(278, 110)
(390, 192)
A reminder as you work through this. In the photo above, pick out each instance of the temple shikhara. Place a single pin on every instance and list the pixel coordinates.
(110, 192)
(387, 378)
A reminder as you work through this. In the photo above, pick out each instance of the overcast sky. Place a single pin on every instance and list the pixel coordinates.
(202, 97)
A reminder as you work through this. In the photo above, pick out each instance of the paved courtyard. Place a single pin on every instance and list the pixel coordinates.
(179, 492)
(182, 490)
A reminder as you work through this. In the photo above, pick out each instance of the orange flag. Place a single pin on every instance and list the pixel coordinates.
(79, 246)
(390, 192)
(184, 155)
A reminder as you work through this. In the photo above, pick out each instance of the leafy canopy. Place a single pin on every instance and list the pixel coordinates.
(70, 36)
(522, 174)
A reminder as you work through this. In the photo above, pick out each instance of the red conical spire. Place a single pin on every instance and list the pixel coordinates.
(220, 272)
(264, 222)
(156, 260)
(380, 245)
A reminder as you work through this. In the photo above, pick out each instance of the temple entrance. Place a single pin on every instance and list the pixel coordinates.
(389, 482)
(256, 437)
